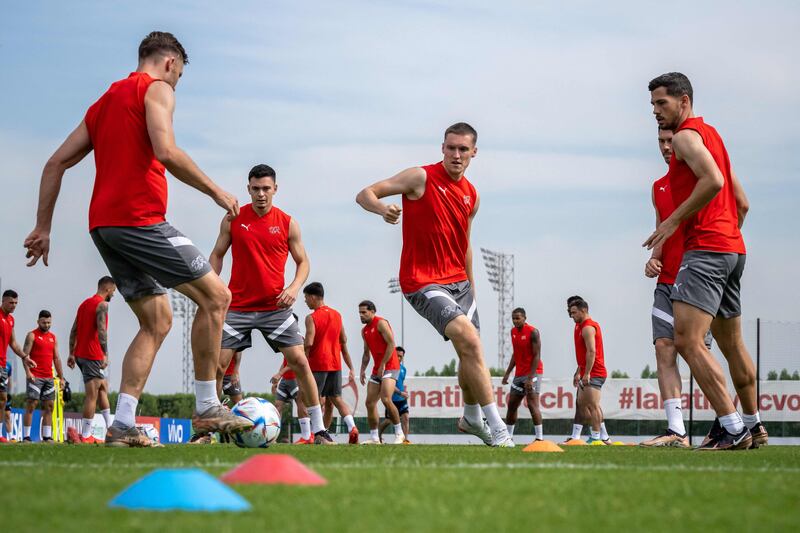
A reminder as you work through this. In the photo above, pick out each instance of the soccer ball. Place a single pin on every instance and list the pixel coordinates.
(266, 423)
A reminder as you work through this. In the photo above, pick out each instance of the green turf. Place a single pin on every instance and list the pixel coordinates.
(421, 488)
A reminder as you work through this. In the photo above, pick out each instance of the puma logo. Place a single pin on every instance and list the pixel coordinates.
(663, 189)
(444, 190)
(246, 226)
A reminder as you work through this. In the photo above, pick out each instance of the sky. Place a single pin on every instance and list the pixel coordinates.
(337, 95)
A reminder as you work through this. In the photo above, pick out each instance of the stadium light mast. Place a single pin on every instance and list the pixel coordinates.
(394, 287)
(500, 268)
(185, 309)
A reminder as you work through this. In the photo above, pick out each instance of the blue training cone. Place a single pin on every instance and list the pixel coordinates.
(188, 489)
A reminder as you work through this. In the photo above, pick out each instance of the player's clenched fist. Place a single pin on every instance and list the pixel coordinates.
(392, 214)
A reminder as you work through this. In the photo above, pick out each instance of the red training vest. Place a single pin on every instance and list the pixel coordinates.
(599, 368)
(523, 351)
(43, 352)
(377, 346)
(87, 345)
(6, 328)
(326, 352)
(672, 249)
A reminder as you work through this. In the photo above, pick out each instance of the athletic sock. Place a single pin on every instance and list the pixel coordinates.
(315, 414)
(732, 423)
(595, 435)
(106, 416)
(26, 431)
(125, 415)
(674, 415)
(398, 430)
(205, 395)
(510, 428)
(348, 420)
(47, 432)
(539, 431)
(373, 434)
(472, 413)
(86, 427)
(577, 429)
(492, 415)
(603, 432)
(305, 428)
(751, 420)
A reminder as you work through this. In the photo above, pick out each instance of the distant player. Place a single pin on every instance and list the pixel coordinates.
(326, 346)
(399, 399)
(88, 347)
(130, 131)
(379, 342)
(436, 266)
(8, 340)
(286, 390)
(231, 384)
(261, 238)
(42, 347)
(710, 206)
(527, 384)
(591, 372)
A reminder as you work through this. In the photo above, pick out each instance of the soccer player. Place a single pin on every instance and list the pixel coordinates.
(436, 266)
(711, 205)
(88, 347)
(379, 341)
(285, 389)
(399, 399)
(261, 238)
(325, 346)
(10, 299)
(591, 372)
(527, 358)
(130, 130)
(41, 346)
(231, 385)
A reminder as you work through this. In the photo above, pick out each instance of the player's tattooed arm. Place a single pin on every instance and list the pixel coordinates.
(26, 349)
(221, 246)
(364, 361)
(410, 182)
(102, 332)
(73, 341)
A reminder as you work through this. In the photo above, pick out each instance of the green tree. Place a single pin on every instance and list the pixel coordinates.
(649, 374)
(785, 375)
(772, 375)
(795, 376)
(619, 374)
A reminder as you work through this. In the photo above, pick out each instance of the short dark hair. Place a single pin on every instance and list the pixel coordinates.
(462, 128)
(675, 83)
(105, 281)
(160, 42)
(262, 171)
(368, 304)
(314, 288)
(519, 310)
(8, 293)
(580, 304)
(573, 299)
(44, 313)
(400, 349)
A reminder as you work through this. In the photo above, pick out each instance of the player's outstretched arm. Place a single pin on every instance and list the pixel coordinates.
(687, 145)
(69, 154)
(410, 182)
(159, 104)
(221, 246)
(288, 296)
(742, 203)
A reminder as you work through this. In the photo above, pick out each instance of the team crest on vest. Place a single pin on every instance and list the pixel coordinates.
(274, 230)
(467, 199)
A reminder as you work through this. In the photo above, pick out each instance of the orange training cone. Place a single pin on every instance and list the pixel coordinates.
(268, 469)
(574, 442)
(542, 446)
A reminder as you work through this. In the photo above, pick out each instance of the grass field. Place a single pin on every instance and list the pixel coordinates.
(421, 488)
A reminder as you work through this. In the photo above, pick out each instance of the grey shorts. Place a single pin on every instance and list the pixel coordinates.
(90, 369)
(41, 389)
(287, 390)
(518, 385)
(3, 380)
(711, 282)
(145, 259)
(439, 304)
(387, 374)
(662, 315)
(230, 387)
(329, 383)
(278, 327)
(597, 383)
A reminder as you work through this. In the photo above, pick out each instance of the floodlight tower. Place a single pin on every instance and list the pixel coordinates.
(500, 268)
(185, 309)
(394, 288)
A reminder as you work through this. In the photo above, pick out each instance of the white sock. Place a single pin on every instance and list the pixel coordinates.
(348, 420)
(493, 419)
(125, 415)
(305, 428)
(106, 416)
(603, 432)
(315, 414)
(674, 415)
(373, 434)
(472, 413)
(398, 430)
(86, 427)
(47, 432)
(577, 429)
(26, 431)
(732, 423)
(205, 395)
(595, 435)
(751, 420)
(510, 429)
(539, 431)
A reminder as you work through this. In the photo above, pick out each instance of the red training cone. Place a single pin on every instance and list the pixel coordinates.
(269, 469)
